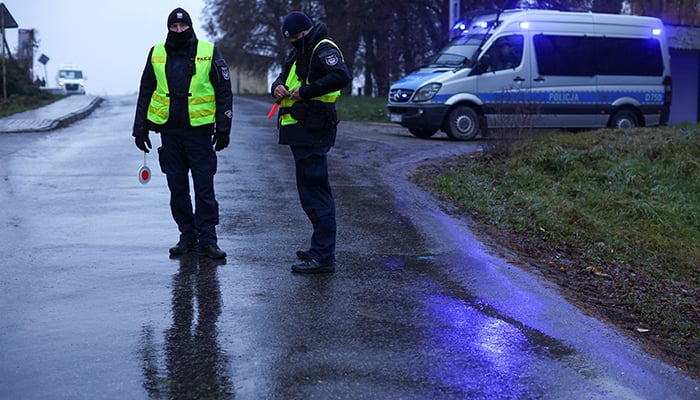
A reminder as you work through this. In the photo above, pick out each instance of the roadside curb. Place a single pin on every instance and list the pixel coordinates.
(74, 116)
(22, 125)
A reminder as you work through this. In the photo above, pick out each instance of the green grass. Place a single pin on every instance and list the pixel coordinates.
(19, 103)
(625, 204)
(362, 108)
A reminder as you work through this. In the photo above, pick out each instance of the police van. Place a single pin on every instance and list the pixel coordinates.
(539, 68)
(71, 79)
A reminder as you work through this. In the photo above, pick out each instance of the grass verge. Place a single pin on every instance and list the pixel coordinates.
(362, 108)
(19, 103)
(613, 215)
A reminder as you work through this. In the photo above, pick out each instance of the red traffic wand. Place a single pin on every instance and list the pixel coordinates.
(272, 111)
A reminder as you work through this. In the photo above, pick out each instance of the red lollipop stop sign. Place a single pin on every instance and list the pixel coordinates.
(144, 172)
(144, 175)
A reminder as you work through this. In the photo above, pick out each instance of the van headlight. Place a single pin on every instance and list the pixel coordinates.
(427, 92)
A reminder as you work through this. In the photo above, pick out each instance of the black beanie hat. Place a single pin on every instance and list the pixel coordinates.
(295, 22)
(179, 15)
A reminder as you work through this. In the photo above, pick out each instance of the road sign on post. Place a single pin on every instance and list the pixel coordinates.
(43, 59)
(6, 21)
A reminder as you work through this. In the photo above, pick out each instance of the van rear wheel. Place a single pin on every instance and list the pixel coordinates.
(422, 133)
(624, 118)
(463, 123)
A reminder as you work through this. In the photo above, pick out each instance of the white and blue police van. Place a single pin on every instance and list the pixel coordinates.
(539, 69)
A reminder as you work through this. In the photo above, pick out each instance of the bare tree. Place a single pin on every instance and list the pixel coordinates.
(680, 12)
(248, 31)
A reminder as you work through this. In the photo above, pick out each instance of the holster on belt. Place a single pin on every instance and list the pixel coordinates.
(314, 114)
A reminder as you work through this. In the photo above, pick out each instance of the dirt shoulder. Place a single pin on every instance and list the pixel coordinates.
(582, 287)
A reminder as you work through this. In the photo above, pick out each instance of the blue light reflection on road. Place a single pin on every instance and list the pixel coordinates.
(473, 342)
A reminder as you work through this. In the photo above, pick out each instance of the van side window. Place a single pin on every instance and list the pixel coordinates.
(624, 56)
(589, 56)
(505, 53)
(564, 55)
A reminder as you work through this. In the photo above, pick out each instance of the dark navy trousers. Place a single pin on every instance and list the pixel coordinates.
(179, 156)
(316, 199)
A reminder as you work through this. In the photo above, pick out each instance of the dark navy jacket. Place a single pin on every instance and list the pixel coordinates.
(323, 79)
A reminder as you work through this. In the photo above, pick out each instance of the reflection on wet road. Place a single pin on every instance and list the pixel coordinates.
(190, 364)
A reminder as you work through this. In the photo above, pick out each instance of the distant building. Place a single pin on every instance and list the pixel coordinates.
(684, 47)
(248, 82)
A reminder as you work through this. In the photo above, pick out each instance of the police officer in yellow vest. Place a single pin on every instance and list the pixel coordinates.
(307, 88)
(185, 95)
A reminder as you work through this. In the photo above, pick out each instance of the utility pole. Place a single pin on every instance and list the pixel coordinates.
(455, 14)
(6, 21)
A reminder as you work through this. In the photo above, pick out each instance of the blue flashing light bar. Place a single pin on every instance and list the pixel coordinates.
(459, 26)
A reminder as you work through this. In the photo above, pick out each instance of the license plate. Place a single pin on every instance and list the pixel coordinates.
(395, 117)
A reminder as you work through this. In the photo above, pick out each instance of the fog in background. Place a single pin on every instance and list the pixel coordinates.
(110, 39)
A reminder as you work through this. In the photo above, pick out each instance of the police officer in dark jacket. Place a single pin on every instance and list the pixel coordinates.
(185, 95)
(307, 88)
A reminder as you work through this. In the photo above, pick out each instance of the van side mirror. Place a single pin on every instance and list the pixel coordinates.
(482, 65)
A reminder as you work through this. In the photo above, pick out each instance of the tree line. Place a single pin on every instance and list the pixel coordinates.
(382, 40)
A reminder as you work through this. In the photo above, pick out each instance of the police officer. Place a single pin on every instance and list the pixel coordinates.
(307, 88)
(185, 95)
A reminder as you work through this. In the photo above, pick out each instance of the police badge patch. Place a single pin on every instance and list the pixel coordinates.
(331, 60)
(224, 73)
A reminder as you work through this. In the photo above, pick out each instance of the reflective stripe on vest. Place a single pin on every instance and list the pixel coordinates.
(201, 103)
(293, 82)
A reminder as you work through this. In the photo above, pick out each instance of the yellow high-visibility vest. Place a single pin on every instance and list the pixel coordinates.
(294, 82)
(201, 103)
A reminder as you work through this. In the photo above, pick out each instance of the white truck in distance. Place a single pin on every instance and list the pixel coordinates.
(71, 79)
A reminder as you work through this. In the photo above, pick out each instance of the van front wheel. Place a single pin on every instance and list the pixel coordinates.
(624, 119)
(463, 123)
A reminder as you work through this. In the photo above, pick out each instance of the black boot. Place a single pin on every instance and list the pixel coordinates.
(311, 266)
(212, 251)
(303, 255)
(182, 247)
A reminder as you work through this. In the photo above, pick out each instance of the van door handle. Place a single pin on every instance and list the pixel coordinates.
(518, 79)
(539, 79)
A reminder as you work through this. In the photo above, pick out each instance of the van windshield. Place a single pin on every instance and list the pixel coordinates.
(459, 51)
(66, 74)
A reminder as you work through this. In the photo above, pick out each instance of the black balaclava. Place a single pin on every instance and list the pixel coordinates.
(299, 44)
(294, 23)
(179, 40)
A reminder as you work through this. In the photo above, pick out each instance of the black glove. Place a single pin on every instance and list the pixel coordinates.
(220, 141)
(143, 142)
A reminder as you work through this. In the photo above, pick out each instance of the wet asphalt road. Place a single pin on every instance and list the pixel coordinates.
(92, 307)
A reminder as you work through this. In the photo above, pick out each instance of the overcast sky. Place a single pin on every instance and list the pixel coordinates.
(110, 38)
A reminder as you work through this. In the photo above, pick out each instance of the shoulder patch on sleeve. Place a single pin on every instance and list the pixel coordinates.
(223, 69)
(329, 55)
(331, 60)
